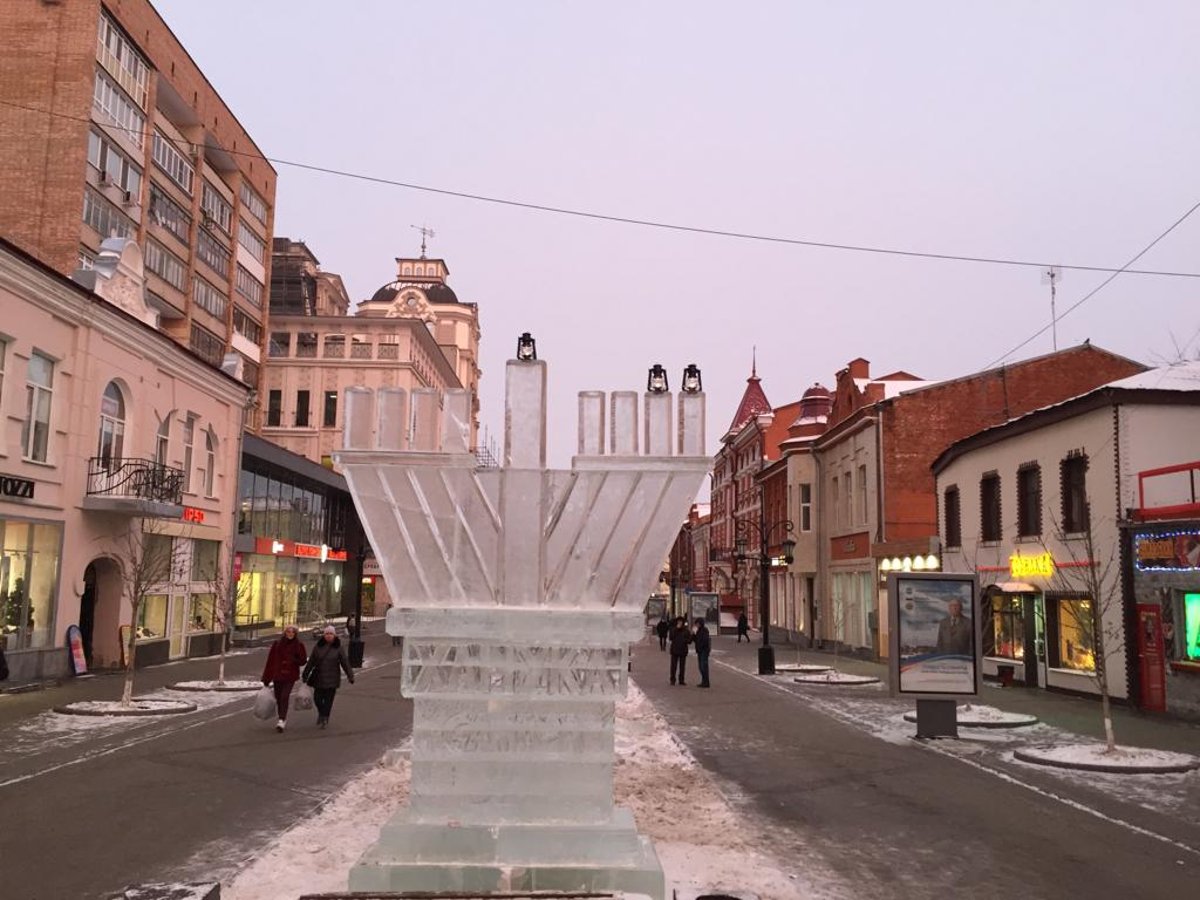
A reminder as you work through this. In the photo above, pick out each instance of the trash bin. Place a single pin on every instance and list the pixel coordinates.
(356, 653)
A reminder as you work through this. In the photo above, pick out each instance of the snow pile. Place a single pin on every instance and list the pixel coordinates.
(1096, 757)
(701, 841)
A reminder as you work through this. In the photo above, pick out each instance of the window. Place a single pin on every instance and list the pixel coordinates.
(253, 204)
(306, 344)
(215, 207)
(1191, 627)
(1076, 644)
(113, 165)
(281, 343)
(302, 409)
(212, 253)
(274, 408)
(165, 264)
(1029, 500)
(209, 299)
(1074, 494)
(862, 494)
(249, 286)
(28, 583)
(103, 217)
(169, 214)
(189, 440)
(35, 430)
(162, 442)
(111, 101)
(250, 373)
(207, 345)
(953, 518)
(837, 506)
(112, 427)
(806, 507)
(3, 362)
(87, 259)
(254, 245)
(206, 556)
(116, 52)
(847, 499)
(172, 163)
(210, 463)
(1006, 636)
(246, 326)
(989, 507)
(330, 418)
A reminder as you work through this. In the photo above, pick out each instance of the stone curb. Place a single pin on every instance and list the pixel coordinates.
(858, 681)
(967, 723)
(216, 688)
(119, 711)
(1028, 756)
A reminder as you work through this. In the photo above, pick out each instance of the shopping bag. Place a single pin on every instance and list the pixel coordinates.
(264, 704)
(302, 696)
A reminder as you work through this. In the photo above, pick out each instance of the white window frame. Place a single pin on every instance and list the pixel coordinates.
(172, 162)
(210, 463)
(162, 442)
(213, 202)
(112, 428)
(189, 443)
(806, 507)
(35, 393)
(249, 239)
(122, 112)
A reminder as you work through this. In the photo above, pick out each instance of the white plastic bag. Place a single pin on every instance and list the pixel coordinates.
(302, 696)
(264, 704)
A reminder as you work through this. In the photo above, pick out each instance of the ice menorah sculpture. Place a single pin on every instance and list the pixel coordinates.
(518, 590)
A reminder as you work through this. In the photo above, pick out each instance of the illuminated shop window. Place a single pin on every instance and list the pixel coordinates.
(1191, 627)
(1076, 634)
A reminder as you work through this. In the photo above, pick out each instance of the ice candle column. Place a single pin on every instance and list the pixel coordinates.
(518, 590)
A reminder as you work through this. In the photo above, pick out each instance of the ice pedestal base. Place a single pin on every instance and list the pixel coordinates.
(423, 856)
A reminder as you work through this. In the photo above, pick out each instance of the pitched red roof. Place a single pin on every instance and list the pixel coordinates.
(754, 402)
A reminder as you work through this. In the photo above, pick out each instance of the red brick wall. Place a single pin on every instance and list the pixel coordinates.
(917, 427)
(48, 63)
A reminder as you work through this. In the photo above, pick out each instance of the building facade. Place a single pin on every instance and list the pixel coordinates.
(118, 468)
(1039, 508)
(112, 130)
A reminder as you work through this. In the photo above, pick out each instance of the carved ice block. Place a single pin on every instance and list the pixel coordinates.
(518, 590)
(358, 418)
(391, 430)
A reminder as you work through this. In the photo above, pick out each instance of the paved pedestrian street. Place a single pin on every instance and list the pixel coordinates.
(828, 779)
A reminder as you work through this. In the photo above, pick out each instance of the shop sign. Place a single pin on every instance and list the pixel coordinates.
(308, 551)
(371, 567)
(1174, 551)
(271, 547)
(75, 649)
(191, 514)
(1040, 566)
(323, 552)
(20, 488)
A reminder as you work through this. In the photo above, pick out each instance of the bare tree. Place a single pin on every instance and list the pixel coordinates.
(1096, 617)
(150, 560)
(228, 598)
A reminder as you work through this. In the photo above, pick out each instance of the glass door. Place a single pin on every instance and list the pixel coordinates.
(178, 616)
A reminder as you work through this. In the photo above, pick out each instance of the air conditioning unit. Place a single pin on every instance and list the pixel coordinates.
(129, 198)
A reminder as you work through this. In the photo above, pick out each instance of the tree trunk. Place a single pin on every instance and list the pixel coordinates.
(1110, 740)
(130, 650)
(221, 666)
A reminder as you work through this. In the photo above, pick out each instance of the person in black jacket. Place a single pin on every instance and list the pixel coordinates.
(743, 627)
(662, 629)
(324, 673)
(703, 641)
(680, 638)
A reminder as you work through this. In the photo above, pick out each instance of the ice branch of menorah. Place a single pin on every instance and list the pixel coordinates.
(518, 590)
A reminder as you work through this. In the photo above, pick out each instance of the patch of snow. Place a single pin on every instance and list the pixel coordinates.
(228, 684)
(1096, 756)
(835, 678)
(144, 706)
(981, 716)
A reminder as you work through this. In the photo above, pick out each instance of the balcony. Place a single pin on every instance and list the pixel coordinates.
(134, 486)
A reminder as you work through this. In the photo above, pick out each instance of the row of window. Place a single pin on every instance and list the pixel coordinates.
(253, 204)
(169, 214)
(1074, 512)
(212, 253)
(248, 286)
(104, 218)
(116, 106)
(118, 54)
(172, 162)
(217, 210)
(286, 509)
(165, 264)
(254, 245)
(302, 416)
(850, 498)
(207, 345)
(246, 326)
(113, 165)
(1070, 630)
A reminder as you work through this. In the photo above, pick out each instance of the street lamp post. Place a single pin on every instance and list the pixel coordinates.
(743, 528)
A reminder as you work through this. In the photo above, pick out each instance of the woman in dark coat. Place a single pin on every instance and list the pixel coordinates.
(284, 662)
(324, 673)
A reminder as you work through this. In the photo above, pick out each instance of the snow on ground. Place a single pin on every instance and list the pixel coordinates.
(701, 840)
(1094, 755)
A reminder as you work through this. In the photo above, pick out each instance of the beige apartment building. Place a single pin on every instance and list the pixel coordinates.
(110, 129)
(413, 332)
(116, 446)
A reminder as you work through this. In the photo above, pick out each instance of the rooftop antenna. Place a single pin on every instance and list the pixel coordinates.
(426, 233)
(1052, 276)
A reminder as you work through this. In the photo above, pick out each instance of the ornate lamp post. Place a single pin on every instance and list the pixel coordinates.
(743, 529)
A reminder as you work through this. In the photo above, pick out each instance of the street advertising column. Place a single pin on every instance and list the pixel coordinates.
(935, 645)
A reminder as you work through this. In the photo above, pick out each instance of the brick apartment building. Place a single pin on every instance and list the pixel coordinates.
(111, 129)
(876, 496)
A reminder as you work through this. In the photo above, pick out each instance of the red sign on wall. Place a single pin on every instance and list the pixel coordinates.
(191, 514)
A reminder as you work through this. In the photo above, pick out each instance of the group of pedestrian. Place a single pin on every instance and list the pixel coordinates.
(678, 637)
(289, 661)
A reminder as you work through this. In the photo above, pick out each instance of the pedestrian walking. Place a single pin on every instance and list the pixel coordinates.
(680, 638)
(324, 673)
(743, 627)
(284, 662)
(662, 629)
(703, 642)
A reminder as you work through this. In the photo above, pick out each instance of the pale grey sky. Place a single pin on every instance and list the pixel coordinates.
(1064, 131)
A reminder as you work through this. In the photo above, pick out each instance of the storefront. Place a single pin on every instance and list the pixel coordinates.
(284, 582)
(1164, 577)
(30, 558)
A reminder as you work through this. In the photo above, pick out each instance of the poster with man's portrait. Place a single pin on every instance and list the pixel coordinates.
(935, 634)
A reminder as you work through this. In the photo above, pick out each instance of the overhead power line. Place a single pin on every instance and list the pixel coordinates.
(1098, 288)
(665, 226)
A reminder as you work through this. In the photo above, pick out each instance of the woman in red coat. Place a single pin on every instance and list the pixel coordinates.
(284, 663)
